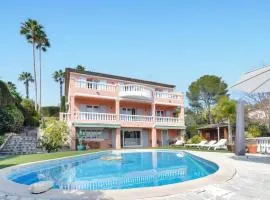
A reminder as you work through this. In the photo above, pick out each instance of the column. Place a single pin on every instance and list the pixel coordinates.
(118, 138)
(117, 109)
(72, 108)
(154, 137)
(73, 138)
(240, 148)
(218, 133)
(154, 112)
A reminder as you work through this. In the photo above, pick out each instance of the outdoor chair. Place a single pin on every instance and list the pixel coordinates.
(221, 144)
(203, 142)
(210, 143)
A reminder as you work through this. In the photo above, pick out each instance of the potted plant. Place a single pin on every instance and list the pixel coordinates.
(252, 133)
(80, 137)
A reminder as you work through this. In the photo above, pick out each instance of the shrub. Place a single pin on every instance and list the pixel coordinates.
(55, 135)
(195, 139)
(253, 131)
(50, 111)
(11, 119)
(2, 139)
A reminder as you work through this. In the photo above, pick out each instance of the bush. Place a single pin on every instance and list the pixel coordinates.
(55, 135)
(50, 111)
(195, 139)
(11, 119)
(30, 115)
(2, 139)
(253, 131)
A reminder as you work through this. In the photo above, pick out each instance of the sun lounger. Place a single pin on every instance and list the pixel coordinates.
(203, 142)
(210, 143)
(221, 144)
(179, 143)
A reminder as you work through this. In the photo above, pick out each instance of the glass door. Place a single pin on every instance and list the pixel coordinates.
(131, 138)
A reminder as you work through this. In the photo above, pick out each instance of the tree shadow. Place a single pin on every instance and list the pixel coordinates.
(265, 159)
(4, 161)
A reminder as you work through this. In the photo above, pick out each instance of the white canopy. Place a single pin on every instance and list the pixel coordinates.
(255, 81)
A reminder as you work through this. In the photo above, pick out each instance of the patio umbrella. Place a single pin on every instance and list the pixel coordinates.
(255, 81)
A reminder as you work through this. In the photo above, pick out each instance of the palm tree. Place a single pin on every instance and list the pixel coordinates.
(59, 77)
(42, 45)
(30, 30)
(27, 78)
(80, 68)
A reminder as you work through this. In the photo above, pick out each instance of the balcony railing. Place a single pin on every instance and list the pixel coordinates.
(89, 116)
(136, 118)
(168, 95)
(135, 91)
(64, 116)
(95, 85)
(170, 120)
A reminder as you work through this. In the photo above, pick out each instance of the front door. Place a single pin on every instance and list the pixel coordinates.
(164, 136)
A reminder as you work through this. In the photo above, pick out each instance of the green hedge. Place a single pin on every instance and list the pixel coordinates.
(50, 111)
(30, 115)
(11, 119)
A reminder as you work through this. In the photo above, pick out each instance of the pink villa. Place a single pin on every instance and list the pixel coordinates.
(119, 112)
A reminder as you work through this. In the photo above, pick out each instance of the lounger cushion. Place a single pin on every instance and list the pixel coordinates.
(41, 186)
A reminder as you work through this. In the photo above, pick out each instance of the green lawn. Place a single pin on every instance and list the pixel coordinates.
(20, 159)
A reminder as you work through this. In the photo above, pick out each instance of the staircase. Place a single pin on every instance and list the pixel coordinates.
(19, 144)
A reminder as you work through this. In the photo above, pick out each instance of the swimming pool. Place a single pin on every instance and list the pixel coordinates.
(117, 170)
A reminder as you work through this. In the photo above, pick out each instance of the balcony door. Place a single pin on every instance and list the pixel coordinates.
(164, 137)
(131, 138)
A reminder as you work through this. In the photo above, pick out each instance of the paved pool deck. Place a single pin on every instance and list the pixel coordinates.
(246, 177)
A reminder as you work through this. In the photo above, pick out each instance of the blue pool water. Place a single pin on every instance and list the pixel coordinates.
(134, 170)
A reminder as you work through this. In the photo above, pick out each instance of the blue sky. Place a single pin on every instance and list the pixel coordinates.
(174, 42)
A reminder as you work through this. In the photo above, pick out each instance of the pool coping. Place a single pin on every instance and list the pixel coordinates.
(223, 174)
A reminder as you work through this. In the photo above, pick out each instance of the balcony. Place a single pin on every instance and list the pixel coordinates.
(169, 121)
(140, 121)
(169, 97)
(136, 91)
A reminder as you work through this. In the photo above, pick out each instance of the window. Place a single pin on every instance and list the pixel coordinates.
(93, 134)
(160, 113)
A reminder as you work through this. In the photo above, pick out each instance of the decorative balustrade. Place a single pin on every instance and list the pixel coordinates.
(64, 116)
(136, 118)
(90, 116)
(170, 120)
(135, 91)
(169, 95)
(263, 144)
(95, 85)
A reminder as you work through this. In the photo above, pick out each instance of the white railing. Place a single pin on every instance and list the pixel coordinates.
(136, 118)
(168, 95)
(263, 144)
(137, 91)
(89, 116)
(170, 120)
(134, 87)
(64, 116)
(95, 85)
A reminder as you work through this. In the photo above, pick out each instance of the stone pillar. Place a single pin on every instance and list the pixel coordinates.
(73, 138)
(218, 133)
(154, 137)
(240, 146)
(118, 138)
(154, 112)
(117, 109)
(72, 108)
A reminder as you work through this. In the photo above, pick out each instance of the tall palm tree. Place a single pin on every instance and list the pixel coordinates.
(42, 45)
(59, 77)
(30, 29)
(27, 78)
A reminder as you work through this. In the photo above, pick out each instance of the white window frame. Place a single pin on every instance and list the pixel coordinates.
(130, 130)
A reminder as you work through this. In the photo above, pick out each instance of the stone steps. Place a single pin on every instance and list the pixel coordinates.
(20, 144)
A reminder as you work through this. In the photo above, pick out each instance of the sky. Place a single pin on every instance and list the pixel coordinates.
(174, 42)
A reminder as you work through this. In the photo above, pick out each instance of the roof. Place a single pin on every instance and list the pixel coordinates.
(68, 70)
(214, 126)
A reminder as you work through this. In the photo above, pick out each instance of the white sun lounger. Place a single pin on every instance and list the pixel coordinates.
(210, 143)
(179, 143)
(221, 144)
(203, 142)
